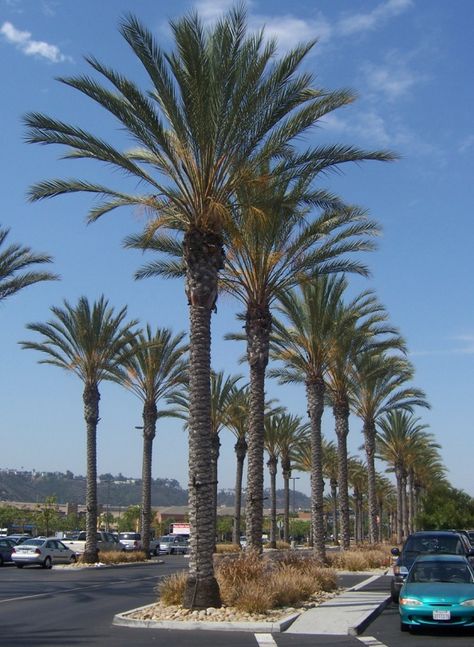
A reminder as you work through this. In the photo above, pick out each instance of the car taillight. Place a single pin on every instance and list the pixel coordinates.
(13, 550)
(37, 551)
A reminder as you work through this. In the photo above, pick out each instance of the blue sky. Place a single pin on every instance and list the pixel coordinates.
(410, 62)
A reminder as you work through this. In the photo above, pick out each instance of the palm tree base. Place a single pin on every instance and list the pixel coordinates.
(90, 557)
(202, 593)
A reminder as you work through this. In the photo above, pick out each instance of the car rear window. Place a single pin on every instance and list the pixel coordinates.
(129, 535)
(451, 545)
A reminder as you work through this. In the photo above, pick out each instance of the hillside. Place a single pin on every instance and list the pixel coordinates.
(113, 490)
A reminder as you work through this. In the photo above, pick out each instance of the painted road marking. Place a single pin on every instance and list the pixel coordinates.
(265, 640)
(370, 641)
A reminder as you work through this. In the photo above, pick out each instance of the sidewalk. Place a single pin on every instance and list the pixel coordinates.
(346, 614)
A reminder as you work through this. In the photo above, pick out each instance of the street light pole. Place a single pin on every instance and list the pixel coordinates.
(294, 478)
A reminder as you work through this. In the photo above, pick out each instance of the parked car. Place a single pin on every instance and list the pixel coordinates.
(105, 541)
(43, 552)
(174, 544)
(6, 549)
(436, 542)
(438, 591)
(19, 538)
(131, 540)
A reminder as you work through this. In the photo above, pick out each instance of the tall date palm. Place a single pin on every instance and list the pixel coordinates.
(155, 370)
(218, 106)
(92, 342)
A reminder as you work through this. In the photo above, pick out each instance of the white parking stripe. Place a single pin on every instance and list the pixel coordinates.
(265, 640)
(370, 641)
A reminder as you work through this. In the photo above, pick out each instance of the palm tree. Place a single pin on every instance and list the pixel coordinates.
(331, 472)
(386, 498)
(357, 478)
(290, 434)
(273, 450)
(398, 431)
(379, 385)
(155, 370)
(302, 343)
(358, 326)
(219, 107)
(237, 415)
(222, 390)
(92, 343)
(15, 262)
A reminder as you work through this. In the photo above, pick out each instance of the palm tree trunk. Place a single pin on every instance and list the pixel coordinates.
(150, 416)
(240, 452)
(258, 326)
(399, 480)
(215, 451)
(369, 436)
(341, 415)
(315, 398)
(272, 468)
(380, 525)
(91, 397)
(411, 501)
(203, 254)
(406, 530)
(335, 532)
(285, 468)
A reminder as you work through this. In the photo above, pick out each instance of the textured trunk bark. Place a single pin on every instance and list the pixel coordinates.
(215, 451)
(240, 452)
(258, 327)
(335, 532)
(150, 416)
(369, 436)
(380, 525)
(398, 478)
(315, 397)
(411, 502)
(91, 399)
(406, 531)
(272, 468)
(341, 416)
(204, 256)
(285, 468)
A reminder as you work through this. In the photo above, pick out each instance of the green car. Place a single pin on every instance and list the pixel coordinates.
(438, 591)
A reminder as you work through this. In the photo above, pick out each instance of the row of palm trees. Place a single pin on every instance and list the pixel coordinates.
(220, 168)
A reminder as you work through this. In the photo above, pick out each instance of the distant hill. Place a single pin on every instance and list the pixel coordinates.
(116, 490)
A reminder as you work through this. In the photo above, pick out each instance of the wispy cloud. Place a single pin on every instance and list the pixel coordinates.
(30, 47)
(466, 144)
(392, 81)
(464, 346)
(362, 22)
(291, 30)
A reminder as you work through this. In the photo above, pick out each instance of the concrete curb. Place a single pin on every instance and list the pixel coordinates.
(68, 567)
(122, 619)
(367, 618)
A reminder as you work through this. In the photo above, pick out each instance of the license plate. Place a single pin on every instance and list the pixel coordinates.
(441, 615)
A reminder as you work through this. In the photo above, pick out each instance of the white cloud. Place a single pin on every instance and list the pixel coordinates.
(361, 22)
(211, 10)
(393, 81)
(291, 31)
(30, 47)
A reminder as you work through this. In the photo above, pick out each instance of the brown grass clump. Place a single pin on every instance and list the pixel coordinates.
(118, 557)
(282, 545)
(227, 548)
(358, 560)
(171, 589)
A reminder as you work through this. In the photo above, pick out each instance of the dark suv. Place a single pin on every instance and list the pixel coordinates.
(426, 542)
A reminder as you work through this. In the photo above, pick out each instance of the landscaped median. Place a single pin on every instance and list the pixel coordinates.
(260, 593)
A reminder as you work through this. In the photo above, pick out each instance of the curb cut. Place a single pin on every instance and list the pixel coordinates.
(122, 620)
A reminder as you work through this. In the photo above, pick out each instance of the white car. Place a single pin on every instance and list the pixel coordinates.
(42, 551)
(131, 540)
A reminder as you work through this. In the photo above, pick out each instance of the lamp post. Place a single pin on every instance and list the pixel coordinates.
(294, 478)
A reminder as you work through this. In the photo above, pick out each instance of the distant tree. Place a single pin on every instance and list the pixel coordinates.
(90, 341)
(130, 519)
(446, 507)
(47, 516)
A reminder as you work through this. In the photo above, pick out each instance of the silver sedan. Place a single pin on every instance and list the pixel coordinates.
(44, 552)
